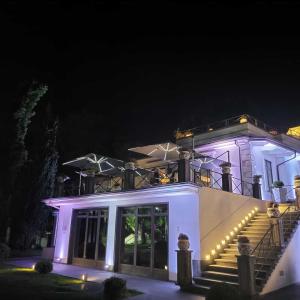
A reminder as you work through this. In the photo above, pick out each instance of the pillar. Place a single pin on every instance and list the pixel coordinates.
(256, 187)
(184, 268)
(129, 176)
(226, 177)
(184, 167)
(246, 274)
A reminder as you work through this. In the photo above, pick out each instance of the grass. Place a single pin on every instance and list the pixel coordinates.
(24, 283)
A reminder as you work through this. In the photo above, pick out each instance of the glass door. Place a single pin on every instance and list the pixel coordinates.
(143, 248)
(90, 237)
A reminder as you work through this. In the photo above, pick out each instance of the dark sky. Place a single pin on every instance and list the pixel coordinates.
(147, 69)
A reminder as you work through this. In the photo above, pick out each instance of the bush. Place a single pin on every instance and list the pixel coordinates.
(223, 292)
(4, 252)
(278, 184)
(114, 287)
(43, 266)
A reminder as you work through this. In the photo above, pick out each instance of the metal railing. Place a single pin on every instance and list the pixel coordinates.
(208, 178)
(272, 242)
(242, 119)
(287, 192)
(242, 187)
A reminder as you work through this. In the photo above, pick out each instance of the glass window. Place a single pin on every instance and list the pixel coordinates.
(161, 209)
(269, 175)
(102, 238)
(144, 241)
(144, 210)
(91, 238)
(127, 240)
(80, 237)
(160, 242)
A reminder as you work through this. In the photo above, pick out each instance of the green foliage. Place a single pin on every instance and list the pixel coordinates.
(278, 184)
(114, 287)
(4, 252)
(43, 266)
(223, 291)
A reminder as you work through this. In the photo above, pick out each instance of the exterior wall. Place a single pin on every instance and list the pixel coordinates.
(184, 216)
(220, 212)
(287, 271)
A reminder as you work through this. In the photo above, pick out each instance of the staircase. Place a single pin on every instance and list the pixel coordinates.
(224, 268)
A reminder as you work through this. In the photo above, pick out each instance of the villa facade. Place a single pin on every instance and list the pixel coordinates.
(127, 217)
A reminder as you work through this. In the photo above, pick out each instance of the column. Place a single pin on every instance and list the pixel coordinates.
(226, 177)
(184, 166)
(246, 275)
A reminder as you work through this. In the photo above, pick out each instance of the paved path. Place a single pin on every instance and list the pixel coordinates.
(152, 289)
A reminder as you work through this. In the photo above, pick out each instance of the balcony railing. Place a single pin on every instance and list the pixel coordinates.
(242, 119)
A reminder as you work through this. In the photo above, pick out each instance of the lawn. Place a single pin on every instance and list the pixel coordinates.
(23, 283)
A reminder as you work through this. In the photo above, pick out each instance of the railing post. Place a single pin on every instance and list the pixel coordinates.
(129, 176)
(226, 177)
(184, 262)
(60, 186)
(256, 186)
(90, 183)
(246, 274)
(184, 174)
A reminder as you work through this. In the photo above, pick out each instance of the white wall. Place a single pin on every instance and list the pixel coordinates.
(184, 216)
(287, 271)
(220, 212)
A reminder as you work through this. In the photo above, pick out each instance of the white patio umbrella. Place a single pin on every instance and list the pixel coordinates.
(166, 151)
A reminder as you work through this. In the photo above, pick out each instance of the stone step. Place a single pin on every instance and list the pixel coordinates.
(228, 255)
(222, 268)
(251, 233)
(203, 281)
(226, 262)
(226, 277)
(231, 250)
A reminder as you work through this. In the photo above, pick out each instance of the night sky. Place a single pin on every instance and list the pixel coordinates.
(131, 74)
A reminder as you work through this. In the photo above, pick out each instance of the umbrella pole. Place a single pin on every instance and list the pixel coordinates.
(79, 187)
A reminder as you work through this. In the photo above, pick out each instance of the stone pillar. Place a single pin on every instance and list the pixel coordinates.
(184, 167)
(226, 177)
(129, 176)
(297, 190)
(256, 187)
(246, 274)
(184, 268)
(90, 183)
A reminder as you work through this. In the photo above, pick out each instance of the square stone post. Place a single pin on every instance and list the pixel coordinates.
(184, 268)
(246, 274)
(226, 177)
(129, 176)
(184, 167)
(297, 190)
(256, 187)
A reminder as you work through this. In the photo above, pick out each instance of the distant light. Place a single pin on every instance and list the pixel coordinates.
(84, 277)
(166, 268)
(243, 119)
(33, 267)
(106, 267)
(210, 129)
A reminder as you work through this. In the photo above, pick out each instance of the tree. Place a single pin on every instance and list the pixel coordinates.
(19, 153)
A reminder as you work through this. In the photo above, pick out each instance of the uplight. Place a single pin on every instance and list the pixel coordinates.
(33, 267)
(84, 277)
(213, 252)
(249, 214)
(223, 242)
(207, 257)
(227, 237)
(218, 246)
(231, 233)
(253, 211)
(256, 208)
(166, 268)
(243, 222)
(240, 225)
(246, 218)
(235, 229)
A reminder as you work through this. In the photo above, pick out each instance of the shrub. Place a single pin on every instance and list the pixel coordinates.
(114, 287)
(4, 251)
(183, 236)
(278, 184)
(223, 291)
(43, 266)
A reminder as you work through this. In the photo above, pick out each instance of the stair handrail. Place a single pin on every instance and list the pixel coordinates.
(270, 228)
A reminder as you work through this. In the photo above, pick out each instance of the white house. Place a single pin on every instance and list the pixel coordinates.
(134, 230)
